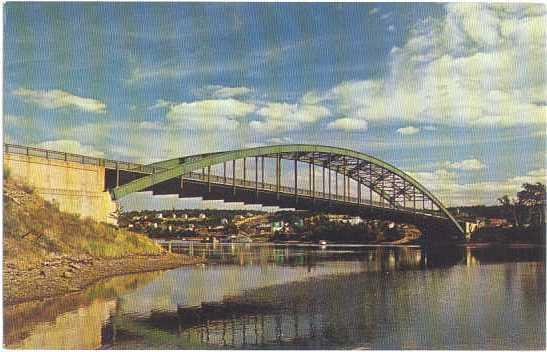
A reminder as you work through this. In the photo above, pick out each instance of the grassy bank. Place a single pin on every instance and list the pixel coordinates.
(48, 252)
(35, 229)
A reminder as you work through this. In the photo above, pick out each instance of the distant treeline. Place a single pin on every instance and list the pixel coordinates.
(482, 211)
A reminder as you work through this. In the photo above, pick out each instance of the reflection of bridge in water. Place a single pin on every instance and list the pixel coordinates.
(301, 314)
(296, 314)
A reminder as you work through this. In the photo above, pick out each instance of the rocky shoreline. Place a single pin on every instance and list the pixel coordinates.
(62, 274)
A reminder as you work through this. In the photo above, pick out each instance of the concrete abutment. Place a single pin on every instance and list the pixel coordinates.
(75, 187)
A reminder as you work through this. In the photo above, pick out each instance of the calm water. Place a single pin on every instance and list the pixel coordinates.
(275, 297)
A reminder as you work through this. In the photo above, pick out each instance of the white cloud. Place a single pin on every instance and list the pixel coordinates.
(70, 146)
(429, 128)
(279, 140)
(285, 117)
(467, 165)
(480, 65)
(160, 103)
(391, 28)
(348, 124)
(148, 125)
(443, 184)
(386, 16)
(409, 130)
(222, 92)
(55, 99)
(209, 114)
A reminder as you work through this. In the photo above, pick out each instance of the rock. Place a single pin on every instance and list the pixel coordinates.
(43, 273)
(67, 274)
(74, 266)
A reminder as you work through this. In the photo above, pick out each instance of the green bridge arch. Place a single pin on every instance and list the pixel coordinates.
(324, 156)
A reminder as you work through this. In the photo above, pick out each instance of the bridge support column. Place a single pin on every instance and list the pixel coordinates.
(209, 178)
(344, 179)
(330, 193)
(296, 179)
(256, 177)
(117, 173)
(313, 180)
(234, 176)
(278, 175)
(370, 180)
(309, 178)
(336, 183)
(359, 191)
(244, 171)
(323, 183)
(262, 165)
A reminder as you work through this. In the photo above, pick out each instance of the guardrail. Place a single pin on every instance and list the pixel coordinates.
(82, 159)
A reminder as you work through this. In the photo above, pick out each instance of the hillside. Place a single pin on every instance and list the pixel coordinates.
(48, 252)
(35, 229)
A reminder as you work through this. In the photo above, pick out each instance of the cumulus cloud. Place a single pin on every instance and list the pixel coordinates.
(407, 130)
(70, 146)
(479, 65)
(279, 140)
(285, 117)
(160, 103)
(467, 165)
(209, 114)
(444, 185)
(348, 124)
(55, 99)
(223, 92)
(148, 125)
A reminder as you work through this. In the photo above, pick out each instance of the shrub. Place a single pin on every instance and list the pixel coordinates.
(7, 173)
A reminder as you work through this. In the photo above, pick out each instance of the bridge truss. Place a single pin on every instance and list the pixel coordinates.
(332, 174)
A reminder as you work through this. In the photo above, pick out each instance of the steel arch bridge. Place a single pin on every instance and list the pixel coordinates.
(348, 182)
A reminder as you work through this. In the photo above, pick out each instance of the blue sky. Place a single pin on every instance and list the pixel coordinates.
(454, 94)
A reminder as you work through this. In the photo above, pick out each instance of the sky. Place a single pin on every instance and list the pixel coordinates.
(454, 94)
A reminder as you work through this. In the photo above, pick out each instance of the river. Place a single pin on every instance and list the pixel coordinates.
(263, 296)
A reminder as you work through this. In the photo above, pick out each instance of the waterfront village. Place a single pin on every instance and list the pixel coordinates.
(282, 226)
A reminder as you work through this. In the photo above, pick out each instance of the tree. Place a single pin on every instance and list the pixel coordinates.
(533, 198)
(509, 209)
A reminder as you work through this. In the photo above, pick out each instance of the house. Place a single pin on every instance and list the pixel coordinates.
(355, 220)
(277, 226)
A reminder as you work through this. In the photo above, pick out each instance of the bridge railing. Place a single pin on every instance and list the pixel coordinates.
(228, 181)
(82, 159)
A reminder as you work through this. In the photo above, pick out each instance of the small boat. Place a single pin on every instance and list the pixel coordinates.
(322, 243)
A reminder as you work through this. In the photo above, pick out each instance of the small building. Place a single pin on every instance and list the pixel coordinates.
(277, 226)
(355, 220)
